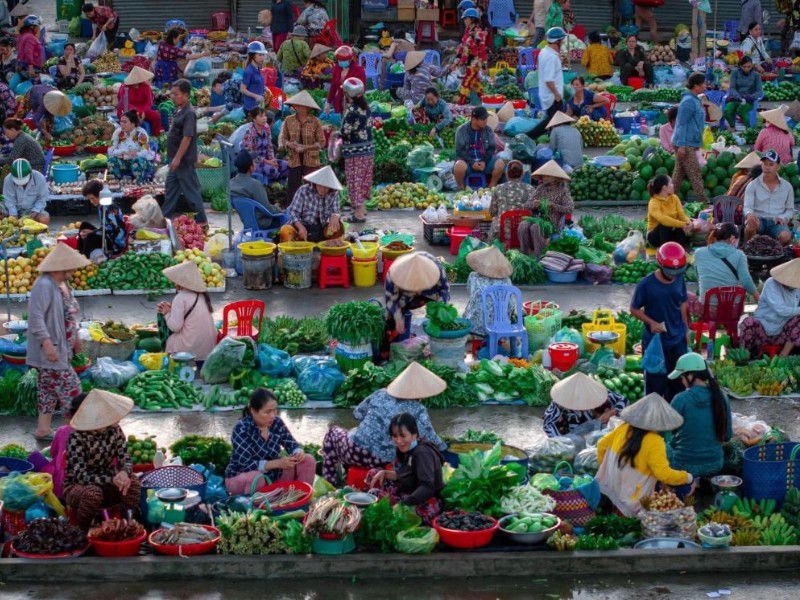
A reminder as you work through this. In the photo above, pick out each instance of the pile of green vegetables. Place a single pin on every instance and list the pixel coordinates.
(380, 524)
(8, 391)
(294, 335)
(442, 317)
(161, 390)
(612, 228)
(355, 322)
(24, 397)
(217, 197)
(14, 451)
(503, 382)
(525, 270)
(257, 533)
(634, 328)
(626, 531)
(133, 271)
(360, 383)
(203, 450)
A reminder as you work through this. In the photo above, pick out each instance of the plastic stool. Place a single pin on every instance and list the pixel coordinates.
(426, 32)
(476, 181)
(355, 478)
(448, 18)
(333, 271)
(387, 263)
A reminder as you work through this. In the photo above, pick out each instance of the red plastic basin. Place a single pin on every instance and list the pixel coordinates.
(466, 539)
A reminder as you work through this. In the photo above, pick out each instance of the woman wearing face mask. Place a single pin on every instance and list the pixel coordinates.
(660, 302)
(696, 446)
(416, 475)
(346, 67)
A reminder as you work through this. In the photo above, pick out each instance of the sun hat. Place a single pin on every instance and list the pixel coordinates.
(560, 118)
(186, 275)
(555, 34)
(21, 171)
(413, 59)
(490, 262)
(552, 169)
(138, 75)
(691, 361)
(319, 49)
(714, 110)
(63, 258)
(324, 176)
(299, 31)
(776, 117)
(57, 103)
(416, 382)
(652, 413)
(507, 112)
(302, 98)
(771, 155)
(414, 272)
(100, 409)
(579, 392)
(787, 274)
(20, 10)
(749, 161)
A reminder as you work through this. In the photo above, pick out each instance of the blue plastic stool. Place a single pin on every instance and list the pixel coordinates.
(373, 65)
(432, 57)
(476, 181)
(499, 325)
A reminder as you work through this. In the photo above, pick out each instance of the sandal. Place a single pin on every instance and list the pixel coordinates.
(44, 438)
(354, 219)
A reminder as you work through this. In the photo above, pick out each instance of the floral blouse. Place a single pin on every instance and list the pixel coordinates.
(472, 50)
(357, 132)
(72, 312)
(136, 141)
(513, 195)
(313, 19)
(560, 421)
(259, 144)
(170, 52)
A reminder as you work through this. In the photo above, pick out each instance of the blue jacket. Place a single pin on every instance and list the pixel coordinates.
(694, 446)
(689, 123)
(712, 272)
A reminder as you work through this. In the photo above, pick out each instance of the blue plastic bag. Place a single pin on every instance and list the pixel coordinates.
(62, 124)
(518, 125)
(320, 381)
(653, 361)
(301, 363)
(274, 362)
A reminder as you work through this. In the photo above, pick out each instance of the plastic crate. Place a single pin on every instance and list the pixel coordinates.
(70, 207)
(436, 233)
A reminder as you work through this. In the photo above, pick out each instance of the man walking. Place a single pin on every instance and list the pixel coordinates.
(551, 79)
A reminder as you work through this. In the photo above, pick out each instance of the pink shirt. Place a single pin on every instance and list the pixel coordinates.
(58, 453)
(774, 138)
(196, 333)
(29, 50)
(665, 135)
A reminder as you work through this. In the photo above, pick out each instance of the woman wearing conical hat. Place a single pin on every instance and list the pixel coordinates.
(302, 135)
(136, 94)
(580, 403)
(551, 201)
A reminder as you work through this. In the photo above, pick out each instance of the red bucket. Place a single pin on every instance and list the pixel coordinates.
(563, 355)
(636, 83)
(532, 307)
(356, 477)
(457, 235)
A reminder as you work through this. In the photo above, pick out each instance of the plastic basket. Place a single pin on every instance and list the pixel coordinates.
(541, 327)
(297, 270)
(770, 470)
(13, 522)
(14, 465)
(296, 247)
(212, 179)
(171, 476)
(120, 352)
(436, 233)
(603, 320)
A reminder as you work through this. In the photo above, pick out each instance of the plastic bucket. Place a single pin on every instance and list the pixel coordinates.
(257, 272)
(624, 123)
(457, 235)
(369, 250)
(449, 352)
(563, 355)
(365, 272)
(636, 83)
(351, 356)
(63, 173)
(297, 270)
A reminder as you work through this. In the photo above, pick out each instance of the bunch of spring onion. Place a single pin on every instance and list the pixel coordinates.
(332, 515)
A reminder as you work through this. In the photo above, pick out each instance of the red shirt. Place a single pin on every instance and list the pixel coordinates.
(336, 93)
(774, 138)
(140, 98)
(103, 15)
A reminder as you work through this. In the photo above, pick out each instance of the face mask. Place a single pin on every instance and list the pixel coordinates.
(344, 63)
(412, 446)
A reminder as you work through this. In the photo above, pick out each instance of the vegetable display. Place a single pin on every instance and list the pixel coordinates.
(294, 335)
(26, 398)
(14, 451)
(9, 384)
(525, 270)
(763, 246)
(332, 515)
(381, 524)
(159, 390)
(203, 450)
(355, 322)
(525, 499)
(50, 536)
(360, 383)
(183, 534)
(133, 271)
(628, 385)
(530, 522)
(496, 381)
(142, 452)
(289, 393)
(460, 520)
(256, 533)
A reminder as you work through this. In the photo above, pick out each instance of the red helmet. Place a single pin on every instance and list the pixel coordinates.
(671, 256)
(343, 53)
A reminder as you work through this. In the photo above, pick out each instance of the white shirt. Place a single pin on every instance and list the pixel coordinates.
(762, 203)
(550, 70)
(23, 200)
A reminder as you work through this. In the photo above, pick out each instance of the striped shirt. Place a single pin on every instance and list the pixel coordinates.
(306, 134)
(773, 138)
(417, 82)
(251, 451)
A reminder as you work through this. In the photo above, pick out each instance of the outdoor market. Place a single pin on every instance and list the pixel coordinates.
(272, 282)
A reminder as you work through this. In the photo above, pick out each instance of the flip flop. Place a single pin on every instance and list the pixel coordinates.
(44, 438)
(354, 219)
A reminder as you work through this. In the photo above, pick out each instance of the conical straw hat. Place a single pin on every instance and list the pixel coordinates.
(787, 274)
(492, 121)
(21, 10)
(579, 392)
(57, 103)
(302, 98)
(793, 112)
(324, 176)
(63, 258)
(749, 161)
(414, 272)
(415, 383)
(319, 49)
(776, 117)
(506, 112)
(99, 410)
(559, 119)
(186, 275)
(413, 59)
(552, 169)
(490, 262)
(652, 413)
(138, 75)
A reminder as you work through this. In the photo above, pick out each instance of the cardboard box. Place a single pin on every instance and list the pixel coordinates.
(406, 14)
(428, 14)
(405, 4)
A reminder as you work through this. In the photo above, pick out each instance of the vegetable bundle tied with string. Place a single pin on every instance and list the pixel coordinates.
(543, 219)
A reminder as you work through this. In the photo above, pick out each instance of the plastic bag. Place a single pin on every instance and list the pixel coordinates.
(19, 491)
(334, 148)
(197, 68)
(274, 362)
(545, 481)
(586, 461)
(109, 373)
(224, 358)
(597, 274)
(519, 125)
(320, 381)
(522, 147)
(568, 334)
(629, 249)
(417, 540)
(215, 245)
(749, 429)
(547, 452)
(62, 124)
(421, 157)
(594, 437)
(74, 28)
(98, 47)
(653, 361)
(236, 115)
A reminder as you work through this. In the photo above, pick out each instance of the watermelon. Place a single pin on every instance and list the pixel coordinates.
(721, 173)
(725, 159)
(719, 191)
(711, 182)
(646, 172)
(639, 184)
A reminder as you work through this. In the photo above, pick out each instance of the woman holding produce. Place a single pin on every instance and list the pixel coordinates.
(370, 445)
(775, 135)
(253, 87)
(515, 194)
(358, 148)
(99, 468)
(302, 135)
(777, 318)
(130, 154)
(53, 315)
(258, 142)
(660, 302)
(416, 475)
(580, 405)
(666, 221)
(696, 446)
(413, 280)
(346, 67)
(69, 70)
(472, 56)
(586, 103)
(90, 238)
(22, 145)
(744, 89)
(30, 53)
(633, 457)
(551, 203)
(259, 440)
(490, 268)
(166, 69)
(190, 315)
(136, 94)
(721, 263)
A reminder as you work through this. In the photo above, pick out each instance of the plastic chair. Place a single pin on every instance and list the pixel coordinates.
(476, 181)
(501, 326)
(612, 104)
(715, 97)
(731, 30)
(510, 220)
(426, 32)
(333, 271)
(502, 13)
(245, 310)
(752, 115)
(448, 18)
(174, 23)
(48, 159)
(526, 61)
(722, 306)
(432, 57)
(725, 208)
(248, 212)
(373, 66)
(533, 99)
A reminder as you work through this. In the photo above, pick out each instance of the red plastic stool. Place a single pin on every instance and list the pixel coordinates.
(333, 271)
(426, 32)
(356, 477)
(386, 264)
(477, 344)
(448, 18)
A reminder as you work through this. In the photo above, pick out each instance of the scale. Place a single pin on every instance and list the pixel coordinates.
(105, 109)
(727, 487)
(603, 355)
(173, 498)
(185, 368)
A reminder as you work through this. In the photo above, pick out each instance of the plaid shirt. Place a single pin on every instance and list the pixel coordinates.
(258, 144)
(307, 133)
(774, 138)
(95, 457)
(251, 450)
(310, 208)
(103, 15)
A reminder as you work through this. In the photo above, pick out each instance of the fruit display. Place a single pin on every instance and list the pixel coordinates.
(785, 91)
(629, 385)
(562, 542)
(662, 501)
(107, 63)
(763, 246)
(598, 134)
(21, 276)
(662, 55)
(87, 131)
(80, 277)
(633, 272)
(134, 272)
(407, 195)
(289, 393)
(657, 95)
(10, 226)
(791, 507)
(775, 531)
(664, 515)
(591, 182)
(142, 452)
(750, 508)
(161, 390)
(213, 273)
(763, 377)
(190, 233)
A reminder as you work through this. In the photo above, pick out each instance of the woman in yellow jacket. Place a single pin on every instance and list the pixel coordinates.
(597, 58)
(666, 221)
(633, 457)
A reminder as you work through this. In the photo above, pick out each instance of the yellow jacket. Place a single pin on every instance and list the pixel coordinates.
(597, 60)
(667, 212)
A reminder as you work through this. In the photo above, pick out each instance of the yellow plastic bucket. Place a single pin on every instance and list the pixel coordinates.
(297, 247)
(370, 250)
(365, 273)
(256, 249)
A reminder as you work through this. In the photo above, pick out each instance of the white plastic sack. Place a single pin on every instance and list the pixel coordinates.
(98, 47)
(150, 50)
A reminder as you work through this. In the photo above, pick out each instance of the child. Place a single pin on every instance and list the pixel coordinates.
(597, 58)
